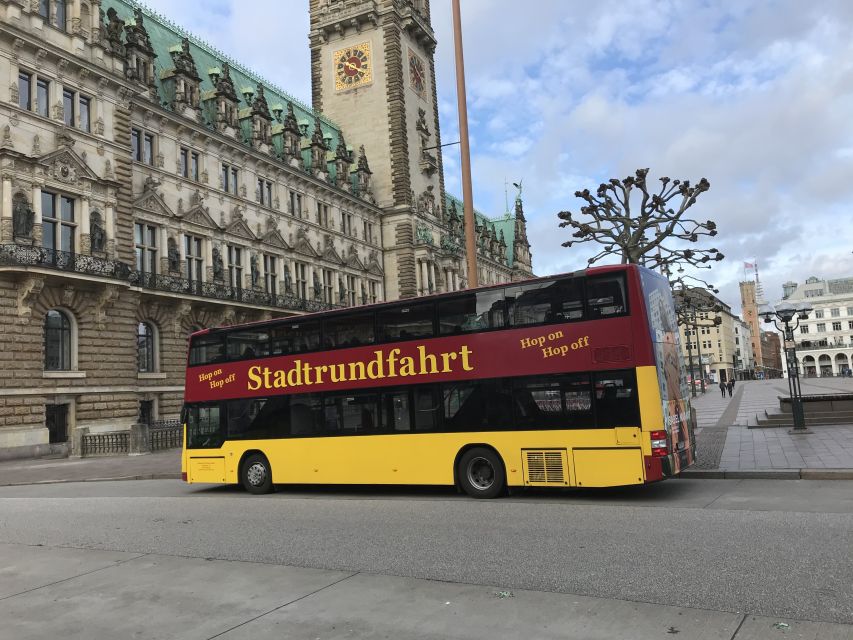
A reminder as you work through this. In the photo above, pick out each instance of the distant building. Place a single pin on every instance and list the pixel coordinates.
(771, 354)
(825, 340)
(711, 348)
(744, 356)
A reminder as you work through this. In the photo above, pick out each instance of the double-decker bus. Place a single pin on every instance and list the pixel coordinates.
(566, 381)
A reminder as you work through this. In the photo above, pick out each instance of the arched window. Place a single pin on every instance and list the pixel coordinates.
(57, 341)
(145, 348)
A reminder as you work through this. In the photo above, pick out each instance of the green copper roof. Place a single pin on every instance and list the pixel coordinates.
(505, 223)
(165, 35)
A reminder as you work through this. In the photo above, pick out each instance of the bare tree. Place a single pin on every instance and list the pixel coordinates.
(644, 227)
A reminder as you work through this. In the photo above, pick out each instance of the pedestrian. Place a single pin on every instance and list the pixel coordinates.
(730, 386)
(733, 382)
(723, 388)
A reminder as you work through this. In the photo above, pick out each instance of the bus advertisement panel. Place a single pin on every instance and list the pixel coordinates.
(672, 377)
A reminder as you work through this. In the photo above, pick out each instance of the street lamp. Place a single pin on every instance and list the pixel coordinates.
(788, 313)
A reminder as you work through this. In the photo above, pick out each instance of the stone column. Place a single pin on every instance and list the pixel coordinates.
(309, 283)
(6, 211)
(84, 238)
(109, 214)
(37, 223)
(208, 259)
(163, 249)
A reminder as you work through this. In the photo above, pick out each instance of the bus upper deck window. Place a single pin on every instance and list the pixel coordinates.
(206, 349)
(545, 302)
(606, 296)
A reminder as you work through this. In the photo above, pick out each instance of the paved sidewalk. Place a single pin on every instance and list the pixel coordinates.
(154, 466)
(727, 447)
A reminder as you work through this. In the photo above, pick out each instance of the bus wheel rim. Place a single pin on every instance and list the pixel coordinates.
(256, 474)
(481, 473)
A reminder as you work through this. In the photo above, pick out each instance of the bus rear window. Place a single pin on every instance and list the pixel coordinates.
(472, 312)
(545, 302)
(295, 338)
(606, 296)
(405, 323)
(206, 349)
(251, 343)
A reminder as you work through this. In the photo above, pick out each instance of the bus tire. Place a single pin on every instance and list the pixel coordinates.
(481, 473)
(256, 474)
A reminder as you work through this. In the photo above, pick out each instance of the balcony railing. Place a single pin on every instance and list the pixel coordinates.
(24, 256)
(21, 255)
(221, 291)
(818, 347)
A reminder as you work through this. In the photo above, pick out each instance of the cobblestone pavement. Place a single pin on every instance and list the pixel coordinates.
(724, 440)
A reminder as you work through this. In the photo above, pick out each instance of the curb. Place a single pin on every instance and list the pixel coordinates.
(148, 476)
(768, 474)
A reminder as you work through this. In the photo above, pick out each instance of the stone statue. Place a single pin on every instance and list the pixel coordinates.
(218, 269)
(363, 294)
(318, 288)
(23, 218)
(426, 202)
(98, 237)
(114, 29)
(288, 281)
(342, 290)
(253, 267)
(173, 254)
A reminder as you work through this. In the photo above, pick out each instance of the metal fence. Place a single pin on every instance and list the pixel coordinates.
(165, 434)
(106, 444)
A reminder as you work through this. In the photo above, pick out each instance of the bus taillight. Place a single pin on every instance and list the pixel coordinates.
(660, 444)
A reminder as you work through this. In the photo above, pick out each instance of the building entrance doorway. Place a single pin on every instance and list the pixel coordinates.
(56, 420)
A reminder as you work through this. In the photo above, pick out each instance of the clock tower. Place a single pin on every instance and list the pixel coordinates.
(373, 74)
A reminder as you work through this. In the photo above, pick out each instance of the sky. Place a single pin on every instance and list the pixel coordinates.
(757, 97)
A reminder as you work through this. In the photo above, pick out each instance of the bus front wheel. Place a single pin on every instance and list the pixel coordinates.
(481, 473)
(256, 474)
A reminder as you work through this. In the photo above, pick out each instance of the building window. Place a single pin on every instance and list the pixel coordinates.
(188, 164)
(351, 292)
(322, 214)
(804, 328)
(235, 266)
(145, 351)
(346, 223)
(42, 97)
(195, 261)
(270, 274)
(57, 341)
(228, 178)
(25, 90)
(294, 205)
(44, 8)
(68, 107)
(821, 327)
(59, 228)
(835, 312)
(301, 273)
(818, 313)
(145, 237)
(374, 292)
(328, 280)
(850, 324)
(85, 121)
(263, 192)
(836, 326)
(142, 146)
(61, 14)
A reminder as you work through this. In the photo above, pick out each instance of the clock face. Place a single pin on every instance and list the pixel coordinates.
(417, 75)
(353, 66)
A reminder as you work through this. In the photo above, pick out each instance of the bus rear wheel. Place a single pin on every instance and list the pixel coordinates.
(256, 474)
(481, 473)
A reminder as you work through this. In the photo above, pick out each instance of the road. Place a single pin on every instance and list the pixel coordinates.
(760, 547)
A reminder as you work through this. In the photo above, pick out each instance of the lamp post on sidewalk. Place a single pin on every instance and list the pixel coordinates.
(786, 313)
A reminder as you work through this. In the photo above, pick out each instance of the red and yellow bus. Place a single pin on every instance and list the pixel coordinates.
(566, 381)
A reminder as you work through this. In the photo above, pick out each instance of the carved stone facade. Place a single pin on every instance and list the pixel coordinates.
(150, 186)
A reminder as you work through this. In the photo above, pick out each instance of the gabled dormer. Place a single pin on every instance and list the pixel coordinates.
(139, 55)
(182, 82)
(291, 138)
(343, 161)
(319, 147)
(363, 187)
(261, 121)
(225, 100)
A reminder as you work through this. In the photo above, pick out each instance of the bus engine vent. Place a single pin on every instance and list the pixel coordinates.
(545, 467)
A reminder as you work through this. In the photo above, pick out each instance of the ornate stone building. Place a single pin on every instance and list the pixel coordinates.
(150, 186)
